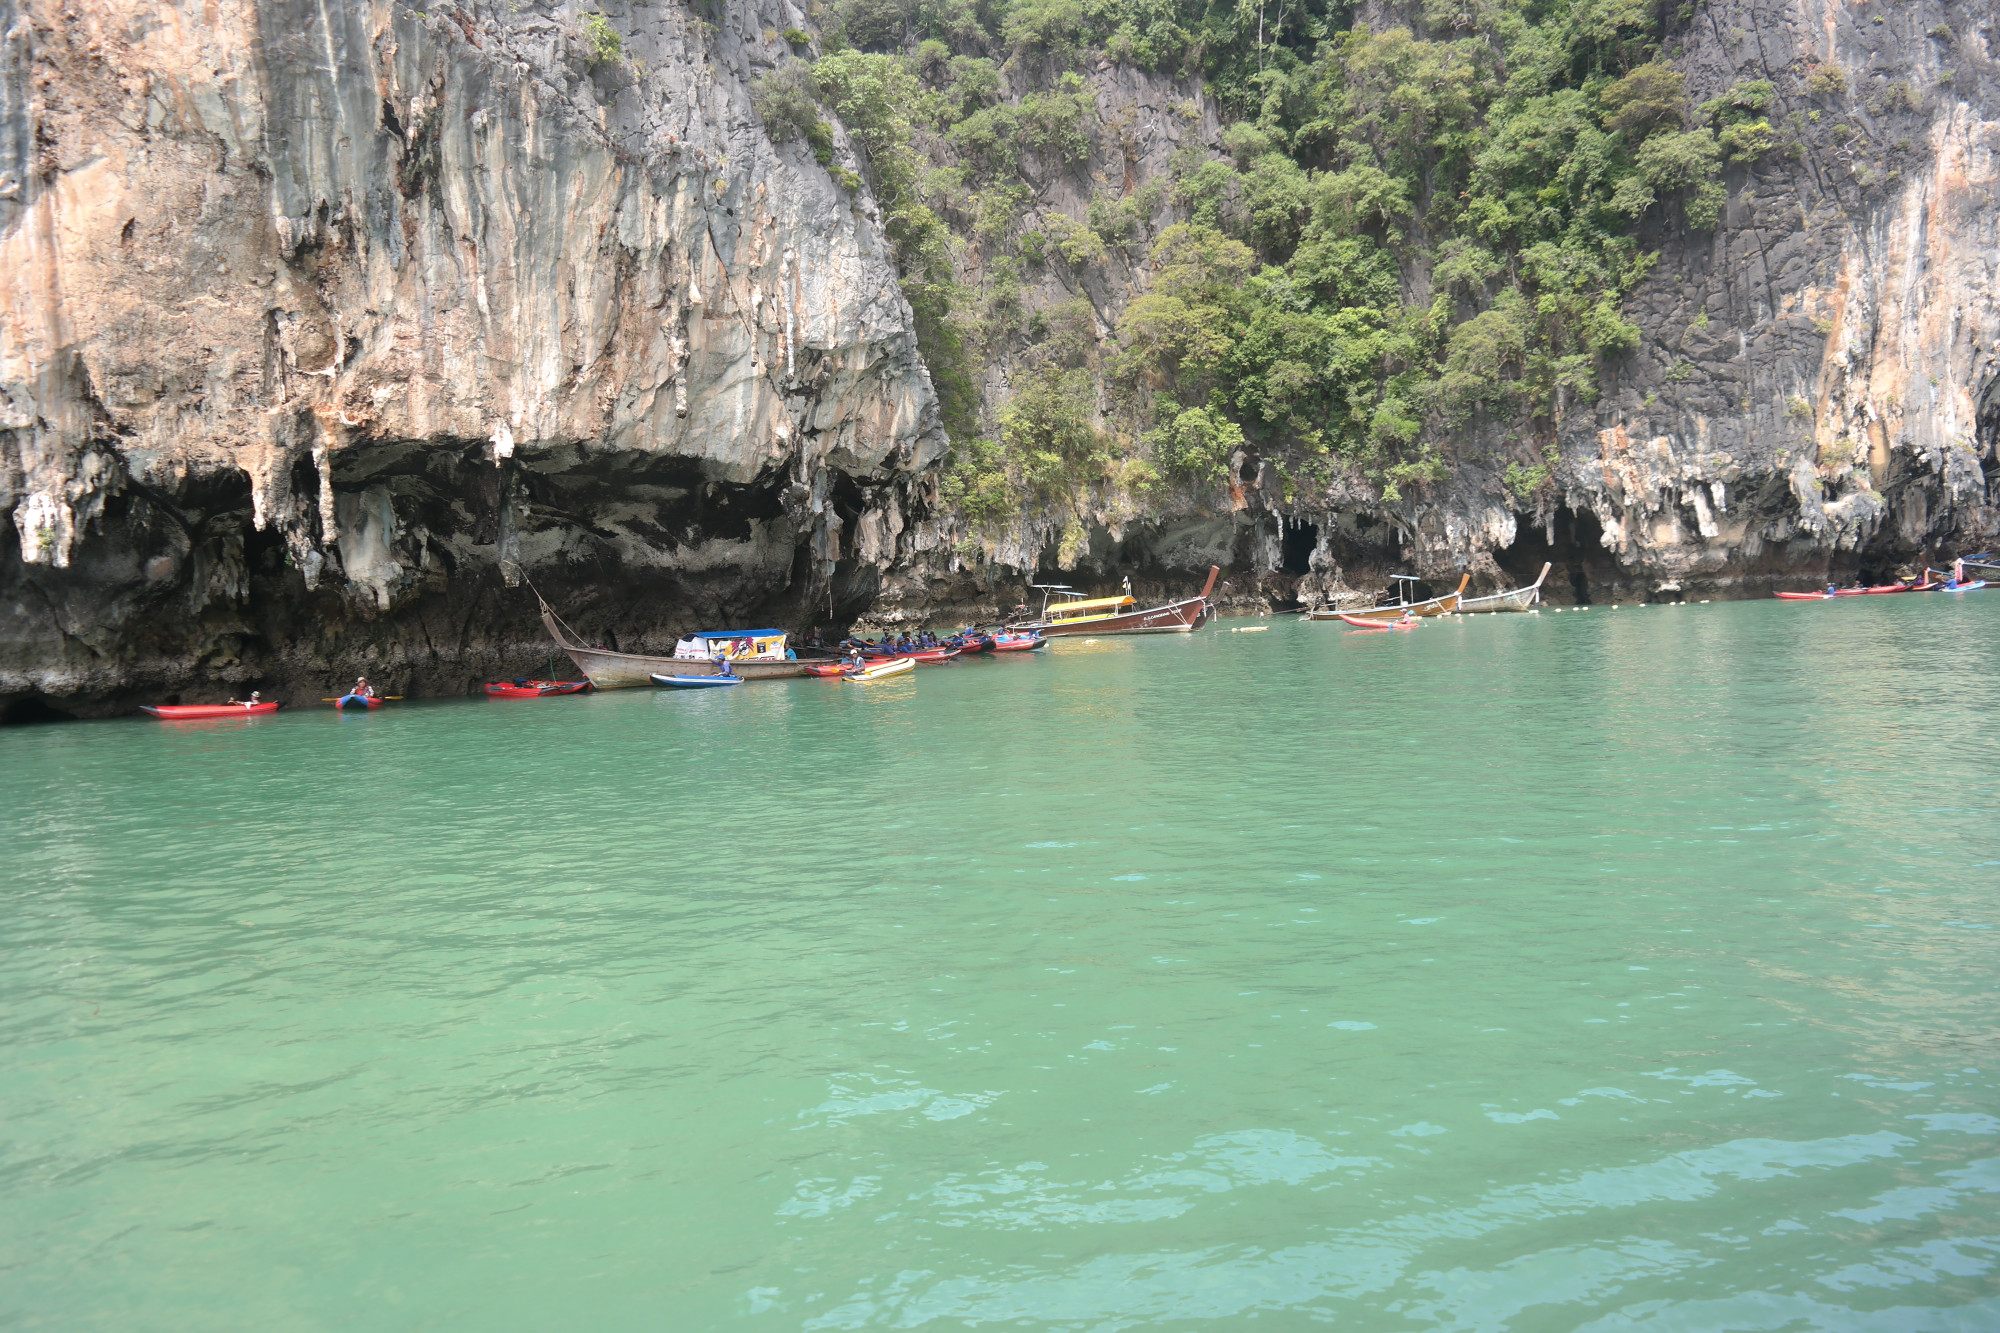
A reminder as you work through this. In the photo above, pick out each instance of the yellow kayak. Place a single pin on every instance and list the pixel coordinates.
(894, 666)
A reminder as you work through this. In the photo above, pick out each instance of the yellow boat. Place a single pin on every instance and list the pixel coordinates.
(895, 666)
(1116, 615)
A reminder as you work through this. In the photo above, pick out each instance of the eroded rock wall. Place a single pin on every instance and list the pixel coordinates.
(1818, 390)
(322, 317)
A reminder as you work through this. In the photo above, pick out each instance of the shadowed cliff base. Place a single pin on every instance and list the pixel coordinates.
(177, 594)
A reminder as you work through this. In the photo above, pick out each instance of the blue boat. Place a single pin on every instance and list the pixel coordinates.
(695, 682)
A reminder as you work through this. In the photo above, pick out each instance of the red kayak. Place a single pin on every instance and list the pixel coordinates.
(932, 655)
(1803, 596)
(1360, 622)
(535, 689)
(1887, 587)
(835, 669)
(1018, 643)
(182, 712)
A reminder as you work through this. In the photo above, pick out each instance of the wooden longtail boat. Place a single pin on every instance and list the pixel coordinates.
(1520, 599)
(1108, 615)
(609, 670)
(1436, 606)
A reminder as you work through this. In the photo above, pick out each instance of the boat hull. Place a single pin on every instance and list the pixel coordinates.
(192, 712)
(1519, 599)
(625, 671)
(1182, 617)
(535, 689)
(695, 682)
(1436, 606)
(893, 667)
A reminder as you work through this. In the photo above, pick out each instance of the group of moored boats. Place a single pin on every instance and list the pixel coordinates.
(1929, 580)
(1398, 611)
(715, 659)
(720, 658)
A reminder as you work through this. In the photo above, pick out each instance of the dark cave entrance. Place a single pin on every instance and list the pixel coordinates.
(1573, 543)
(1295, 547)
(33, 709)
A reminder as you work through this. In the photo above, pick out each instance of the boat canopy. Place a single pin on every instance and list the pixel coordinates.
(750, 645)
(1090, 604)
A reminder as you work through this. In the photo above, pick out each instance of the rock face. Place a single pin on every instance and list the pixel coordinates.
(328, 325)
(327, 320)
(1819, 385)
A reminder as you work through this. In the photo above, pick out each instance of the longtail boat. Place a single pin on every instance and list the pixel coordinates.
(1520, 599)
(1110, 615)
(754, 654)
(1436, 606)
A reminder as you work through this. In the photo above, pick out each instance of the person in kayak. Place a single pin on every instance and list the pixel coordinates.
(254, 699)
(362, 689)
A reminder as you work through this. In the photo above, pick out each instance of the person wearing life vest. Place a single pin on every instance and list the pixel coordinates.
(362, 689)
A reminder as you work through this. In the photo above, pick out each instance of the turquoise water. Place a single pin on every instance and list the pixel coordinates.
(1615, 970)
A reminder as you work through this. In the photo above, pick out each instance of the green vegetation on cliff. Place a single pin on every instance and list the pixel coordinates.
(1411, 231)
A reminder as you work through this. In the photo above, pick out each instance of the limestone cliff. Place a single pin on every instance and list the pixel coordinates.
(1819, 384)
(327, 323)
(320, 317)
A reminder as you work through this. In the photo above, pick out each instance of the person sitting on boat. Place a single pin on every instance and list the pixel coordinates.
(254, 699)
(362, 689)
(723, 668)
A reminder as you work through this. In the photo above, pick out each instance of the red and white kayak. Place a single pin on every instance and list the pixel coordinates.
(895, 666)
(1360, 623)
(1803, 596)
(186, 712)
(535, 689)
(1018, 643)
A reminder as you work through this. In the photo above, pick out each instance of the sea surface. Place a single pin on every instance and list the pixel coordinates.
(1626, 969)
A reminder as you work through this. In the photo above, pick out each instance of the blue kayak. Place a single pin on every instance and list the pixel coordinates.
(696, 682)
(351, 701)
